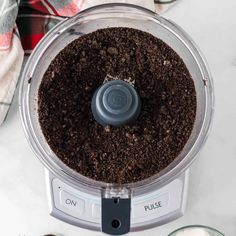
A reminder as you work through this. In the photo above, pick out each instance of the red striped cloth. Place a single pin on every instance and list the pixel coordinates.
(31, 13)
(36, 17)
(54, 7)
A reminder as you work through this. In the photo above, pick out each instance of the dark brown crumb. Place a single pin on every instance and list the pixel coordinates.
(130, 153)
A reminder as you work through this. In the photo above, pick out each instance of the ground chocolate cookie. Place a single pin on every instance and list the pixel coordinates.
(130, 153)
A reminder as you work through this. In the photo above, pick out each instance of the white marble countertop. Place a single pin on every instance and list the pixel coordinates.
(212, 189)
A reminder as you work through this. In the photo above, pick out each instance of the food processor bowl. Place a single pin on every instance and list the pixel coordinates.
(104, 16)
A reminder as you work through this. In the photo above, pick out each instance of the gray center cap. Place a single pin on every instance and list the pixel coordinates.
(115, 103)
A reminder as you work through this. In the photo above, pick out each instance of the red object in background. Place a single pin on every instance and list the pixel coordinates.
(30, 41)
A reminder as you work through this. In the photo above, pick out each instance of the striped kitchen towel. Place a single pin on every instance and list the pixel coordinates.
(11, 54)
(33, 18)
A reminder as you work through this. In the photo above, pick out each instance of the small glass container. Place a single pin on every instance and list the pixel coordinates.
(196, 230)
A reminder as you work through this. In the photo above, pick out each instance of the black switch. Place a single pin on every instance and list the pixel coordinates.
(116, 215)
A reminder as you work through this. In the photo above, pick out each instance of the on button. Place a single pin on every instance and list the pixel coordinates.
(71, 202)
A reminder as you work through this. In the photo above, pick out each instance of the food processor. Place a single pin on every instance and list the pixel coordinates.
(196, 230)
(113, 208)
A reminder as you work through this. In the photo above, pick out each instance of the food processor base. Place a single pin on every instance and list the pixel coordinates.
(72, 205)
